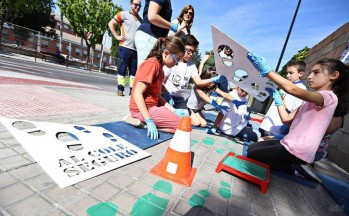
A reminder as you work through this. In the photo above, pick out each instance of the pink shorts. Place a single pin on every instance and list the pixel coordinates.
(162, 117)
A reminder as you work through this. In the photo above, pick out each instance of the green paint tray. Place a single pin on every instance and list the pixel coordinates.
(246, 168)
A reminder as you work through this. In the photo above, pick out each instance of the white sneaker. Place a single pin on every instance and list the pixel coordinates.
(133, 121)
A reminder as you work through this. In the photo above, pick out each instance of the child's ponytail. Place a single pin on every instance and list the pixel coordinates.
(171, 43)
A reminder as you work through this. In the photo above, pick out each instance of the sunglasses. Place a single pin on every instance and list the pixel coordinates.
(137, 5)
(189, 51)
(189, 13)
(174, 58)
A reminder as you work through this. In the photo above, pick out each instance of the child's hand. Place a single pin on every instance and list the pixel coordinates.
(171, 102)
(238, 103)
(180, 112)
(247, 117)
(259, 63)
(276, 96)
(152, 130)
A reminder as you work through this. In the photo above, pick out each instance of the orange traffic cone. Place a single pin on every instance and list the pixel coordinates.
(176, 165)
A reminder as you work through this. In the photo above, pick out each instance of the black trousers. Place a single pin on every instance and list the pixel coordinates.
(274, 154)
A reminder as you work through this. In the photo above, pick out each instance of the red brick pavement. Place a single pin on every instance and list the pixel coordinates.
(29, 100)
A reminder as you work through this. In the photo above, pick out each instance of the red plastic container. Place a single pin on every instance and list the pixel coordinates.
(259, 181)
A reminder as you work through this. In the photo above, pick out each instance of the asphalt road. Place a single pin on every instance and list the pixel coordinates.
(98, 79)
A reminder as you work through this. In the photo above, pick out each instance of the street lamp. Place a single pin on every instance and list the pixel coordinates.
(288, 35)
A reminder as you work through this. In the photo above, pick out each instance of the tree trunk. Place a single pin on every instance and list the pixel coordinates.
(88, 56)
(1, 27)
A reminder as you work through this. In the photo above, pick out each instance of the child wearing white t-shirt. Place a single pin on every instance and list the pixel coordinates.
(272, 122)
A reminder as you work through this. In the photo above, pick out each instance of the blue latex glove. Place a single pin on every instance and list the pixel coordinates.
(181, 112)
(152, 130)
(171, 102)
(211, 131)
(220, 108)
(259, 63)
(174, 27)
(284, 129)
(247, 117)
(238, 103)
(276, 96)
(218, 79)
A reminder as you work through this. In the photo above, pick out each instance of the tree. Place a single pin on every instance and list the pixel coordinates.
(301, 55)
(196, 58)
(39, 19)
(37, 13)
(88, 18)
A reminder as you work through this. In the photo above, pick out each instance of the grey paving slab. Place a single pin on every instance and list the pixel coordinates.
(24, 184)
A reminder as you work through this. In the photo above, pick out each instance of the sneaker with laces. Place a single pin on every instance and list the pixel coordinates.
(120, 93)
(305, 171)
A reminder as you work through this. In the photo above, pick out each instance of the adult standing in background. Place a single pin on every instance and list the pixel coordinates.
(129, 22)
(156, 23)
(186, 17)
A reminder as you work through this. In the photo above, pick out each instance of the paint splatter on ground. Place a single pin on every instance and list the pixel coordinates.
(196, 200)
(193, 142)
(220, 151)
(208, 141)
(163, 186)
(199, 199)
(224, 184)
(104, 208)
(225, 142)
(224, 190)
(204, 193)
(149, 205)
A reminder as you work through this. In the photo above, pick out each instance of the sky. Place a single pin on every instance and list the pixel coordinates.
(261, 26)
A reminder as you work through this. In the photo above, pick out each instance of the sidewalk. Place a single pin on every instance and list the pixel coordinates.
(25, 189)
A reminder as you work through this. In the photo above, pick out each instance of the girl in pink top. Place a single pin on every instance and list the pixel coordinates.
(308, 123)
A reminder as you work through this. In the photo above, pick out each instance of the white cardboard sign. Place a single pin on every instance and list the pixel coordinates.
(238, 69)
(88, 151)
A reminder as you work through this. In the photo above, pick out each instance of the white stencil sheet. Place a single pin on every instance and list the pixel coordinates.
(72, 153)
(238, 70)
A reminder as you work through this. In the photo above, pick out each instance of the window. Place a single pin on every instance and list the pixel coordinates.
(66, 27)
(44, 44)
(85, 53)
(77, 51)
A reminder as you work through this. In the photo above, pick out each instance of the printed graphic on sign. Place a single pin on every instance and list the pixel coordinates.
(73, 153)
(231, 61)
